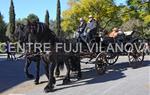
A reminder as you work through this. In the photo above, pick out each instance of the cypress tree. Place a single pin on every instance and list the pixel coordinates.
(1, 17)
(47, 18)
(2, 28)
(58, 19)
(11, 19)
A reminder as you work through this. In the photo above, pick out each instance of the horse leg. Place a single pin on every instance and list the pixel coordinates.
(75, 63)
(52, 80)
(79, 75)
(46, 66)
(57, 72)
(27, 64)
(14, 56)
(37, 72)
(67, 78)
(78, 67)
(47, 69)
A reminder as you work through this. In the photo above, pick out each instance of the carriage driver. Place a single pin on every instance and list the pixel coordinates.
(81, 29)
(91, 28)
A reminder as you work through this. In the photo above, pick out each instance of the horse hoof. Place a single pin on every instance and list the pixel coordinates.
(36, 82)
(53, 80)
(57, 74)
(79, 76)
(66, 81)
(30, 76)
(48, 89)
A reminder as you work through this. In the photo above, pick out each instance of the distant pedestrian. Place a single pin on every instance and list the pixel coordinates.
(147, 48)
(10, 55)
(8, 49)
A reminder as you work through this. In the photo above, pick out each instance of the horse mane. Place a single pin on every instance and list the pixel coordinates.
(41, 32)
(44, 30)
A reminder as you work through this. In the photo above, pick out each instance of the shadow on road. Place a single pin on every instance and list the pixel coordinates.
(115, 72)
(12, 74)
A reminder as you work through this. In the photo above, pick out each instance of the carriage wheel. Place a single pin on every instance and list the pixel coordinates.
(136, 58)
(101, 64)
(112, 58)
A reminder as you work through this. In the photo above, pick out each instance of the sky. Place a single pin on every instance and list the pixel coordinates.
(24, 7)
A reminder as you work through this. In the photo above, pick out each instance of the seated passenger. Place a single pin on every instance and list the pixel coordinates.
(81, 26)
(114, 33)
(91, 28)
(120, 32)
(117, 35)
(110, 37)
(81, 29)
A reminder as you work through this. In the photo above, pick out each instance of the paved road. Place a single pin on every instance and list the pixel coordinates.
(119, 80)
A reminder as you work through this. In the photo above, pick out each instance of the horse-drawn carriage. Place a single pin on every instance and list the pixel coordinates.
(102, 57)
(129, 44)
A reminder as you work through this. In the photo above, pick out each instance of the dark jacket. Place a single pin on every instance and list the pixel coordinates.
(91, 25)
(82, 27)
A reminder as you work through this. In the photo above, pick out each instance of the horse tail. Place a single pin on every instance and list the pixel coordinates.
(62, 59)
(61, 65)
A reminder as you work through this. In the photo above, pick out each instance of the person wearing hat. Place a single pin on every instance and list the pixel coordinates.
(114, 33)
(81, 28)
(91, 28)
(110, 37)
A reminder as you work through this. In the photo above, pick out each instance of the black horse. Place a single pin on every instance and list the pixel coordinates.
(39, 32)
(28, 33)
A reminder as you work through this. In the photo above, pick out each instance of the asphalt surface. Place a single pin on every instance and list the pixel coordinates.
(120, 79)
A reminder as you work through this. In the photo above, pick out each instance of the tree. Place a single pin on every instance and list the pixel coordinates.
(23, 21)
(136, 14)
(47, 18)
(132, 24)
(11, 26)
(58, 18)
(140, 7)
(104, 11)
(2, 28)
(33, 18)
(53, 25)
(140, 10)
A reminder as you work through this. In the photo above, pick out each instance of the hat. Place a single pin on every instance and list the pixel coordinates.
(90, 16)
(81, 19)
(119, 29)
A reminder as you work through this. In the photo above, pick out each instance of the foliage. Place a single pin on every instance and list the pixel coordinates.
(147, 20)
(132, 24)
(11, 27)
(2, 28)
(141, 10)
(53, 25)
(58, 18)
(134, 15)
(32, 18)
(22, 21)
(104, 11)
